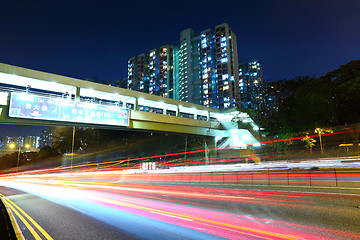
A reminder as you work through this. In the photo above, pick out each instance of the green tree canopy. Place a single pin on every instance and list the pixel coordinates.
(308, 102)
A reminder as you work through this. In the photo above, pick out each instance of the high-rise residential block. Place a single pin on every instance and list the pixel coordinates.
(32, 141)
(189, 83)
(203, 70)
(208, 67)
(154, 72)
(18, 141)
(251, 84)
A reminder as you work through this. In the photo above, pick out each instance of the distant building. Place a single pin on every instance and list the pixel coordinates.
(154, 72)
(25, 143)
(203, 70)
(251, 85)
(32, 141)
(18, 141)
(189, 83)
(271, 98)
(46, 138)
(208, 67)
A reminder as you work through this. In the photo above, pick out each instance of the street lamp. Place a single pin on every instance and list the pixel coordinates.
(319, 131)
(12, 145)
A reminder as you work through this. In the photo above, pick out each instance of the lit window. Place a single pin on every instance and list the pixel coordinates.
(224, 60)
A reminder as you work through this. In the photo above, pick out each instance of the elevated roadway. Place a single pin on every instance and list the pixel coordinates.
(146, 112)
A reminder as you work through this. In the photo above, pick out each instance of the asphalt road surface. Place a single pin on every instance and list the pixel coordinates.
(62, 206)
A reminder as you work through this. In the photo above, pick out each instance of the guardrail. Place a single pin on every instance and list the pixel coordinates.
(325, 178)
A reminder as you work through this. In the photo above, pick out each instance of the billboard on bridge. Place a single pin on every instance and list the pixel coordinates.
(23, 105)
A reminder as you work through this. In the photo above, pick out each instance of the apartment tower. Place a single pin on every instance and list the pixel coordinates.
(154, 72)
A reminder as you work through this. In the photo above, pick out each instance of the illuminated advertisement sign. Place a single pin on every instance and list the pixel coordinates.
(24, 105)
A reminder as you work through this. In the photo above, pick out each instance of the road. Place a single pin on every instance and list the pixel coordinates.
(102, 206)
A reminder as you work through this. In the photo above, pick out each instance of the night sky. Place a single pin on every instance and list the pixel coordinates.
(94, 39)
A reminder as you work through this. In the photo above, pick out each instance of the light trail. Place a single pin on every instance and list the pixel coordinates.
(169, 204)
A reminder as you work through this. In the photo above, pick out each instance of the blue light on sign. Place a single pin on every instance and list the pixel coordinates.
(24, 105)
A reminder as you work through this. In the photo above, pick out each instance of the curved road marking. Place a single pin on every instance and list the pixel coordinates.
(12, 206)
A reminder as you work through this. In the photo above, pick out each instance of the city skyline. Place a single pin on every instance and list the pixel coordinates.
(19, 130)
(95, 40)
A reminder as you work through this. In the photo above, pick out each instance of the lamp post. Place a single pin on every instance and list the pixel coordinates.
(319, 132)
(18, 158)
(72, 148)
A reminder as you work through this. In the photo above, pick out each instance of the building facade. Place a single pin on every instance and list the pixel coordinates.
(154, 72)
(251, 85)
(32, 141)
(208, 67)
(189, 82)
(27, 143)
(18, 141)
(204, 70)
(46, 138)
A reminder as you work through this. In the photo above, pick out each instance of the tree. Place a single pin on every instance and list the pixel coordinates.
(307, 102)
(345, 83)
(283, 119)
(9, 160)
(46, 152)
(85, 138)
(309, 142)
(347, 98)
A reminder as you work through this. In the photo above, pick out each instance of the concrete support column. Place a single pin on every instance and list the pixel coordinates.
(136, 105)
(177, 110)
(209, 143)
(77, 94)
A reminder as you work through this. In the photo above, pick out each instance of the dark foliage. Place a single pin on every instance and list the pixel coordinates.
(308, 102)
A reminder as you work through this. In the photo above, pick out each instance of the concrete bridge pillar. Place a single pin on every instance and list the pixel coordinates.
(177, 111)
(136, 104)
(77, 94)
(209, 147)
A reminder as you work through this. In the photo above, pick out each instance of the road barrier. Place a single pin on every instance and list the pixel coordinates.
(295, 177)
